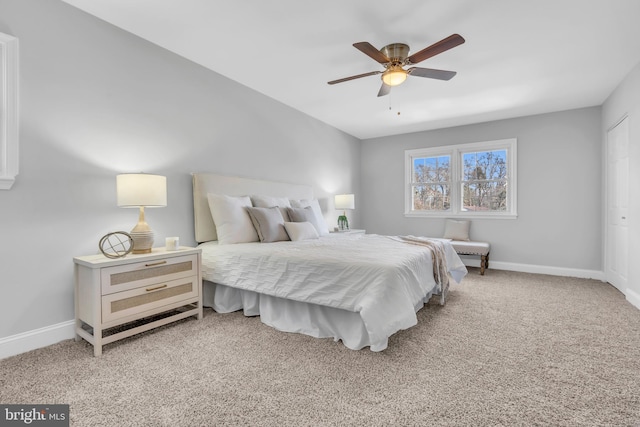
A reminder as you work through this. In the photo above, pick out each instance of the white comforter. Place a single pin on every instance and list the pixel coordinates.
(383, 279)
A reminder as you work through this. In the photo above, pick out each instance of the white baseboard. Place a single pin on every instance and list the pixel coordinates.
(539, 269)
(633, 298)
(37, 338)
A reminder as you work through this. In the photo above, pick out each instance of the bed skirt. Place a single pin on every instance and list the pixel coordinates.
(294, 316)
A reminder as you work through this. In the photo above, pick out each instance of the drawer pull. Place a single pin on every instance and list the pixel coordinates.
(155, 288)
(155, 263)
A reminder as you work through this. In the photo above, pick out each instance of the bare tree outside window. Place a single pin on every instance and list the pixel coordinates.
(484, 184)
(476, 179)
(432, 187)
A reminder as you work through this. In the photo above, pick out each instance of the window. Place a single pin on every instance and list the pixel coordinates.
(431, 183)
(470, 180)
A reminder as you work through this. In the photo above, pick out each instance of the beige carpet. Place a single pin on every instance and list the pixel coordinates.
(508, 349)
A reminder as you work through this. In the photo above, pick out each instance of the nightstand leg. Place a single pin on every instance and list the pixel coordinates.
(97, 342)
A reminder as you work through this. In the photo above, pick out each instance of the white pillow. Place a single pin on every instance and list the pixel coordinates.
(269, 202)
(323, 228)
(457, 230)
(301, 231)
(233, 224)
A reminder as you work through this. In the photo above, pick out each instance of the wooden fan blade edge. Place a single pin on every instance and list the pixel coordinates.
(346, 79)
(373, 53)
(436, 48)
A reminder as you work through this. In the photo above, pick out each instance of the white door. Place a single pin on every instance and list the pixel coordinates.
(617, 233)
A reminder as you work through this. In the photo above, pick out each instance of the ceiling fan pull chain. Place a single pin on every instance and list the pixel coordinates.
(390, 107)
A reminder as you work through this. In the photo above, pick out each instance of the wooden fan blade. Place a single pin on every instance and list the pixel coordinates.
(385, 89)
(372, 52)
(431, 73)
(346, 79)
(436, 48)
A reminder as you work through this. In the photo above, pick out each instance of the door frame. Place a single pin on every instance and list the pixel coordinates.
(607, 237)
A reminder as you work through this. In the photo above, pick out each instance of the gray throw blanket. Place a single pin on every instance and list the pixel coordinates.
(438, 257)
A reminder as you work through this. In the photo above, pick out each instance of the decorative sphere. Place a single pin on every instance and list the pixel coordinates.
(116, 244)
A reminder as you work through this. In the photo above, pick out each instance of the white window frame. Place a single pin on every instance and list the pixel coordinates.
(8, 110)
(455, 152)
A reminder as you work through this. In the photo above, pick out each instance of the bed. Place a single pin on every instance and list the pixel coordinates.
(355, 288)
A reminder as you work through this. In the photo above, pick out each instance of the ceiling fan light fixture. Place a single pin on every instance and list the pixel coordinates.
(394, 76)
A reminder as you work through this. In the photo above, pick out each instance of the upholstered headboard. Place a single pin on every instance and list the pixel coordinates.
(204, 183)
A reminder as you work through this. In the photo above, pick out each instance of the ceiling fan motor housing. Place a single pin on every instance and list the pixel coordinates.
(396, 52)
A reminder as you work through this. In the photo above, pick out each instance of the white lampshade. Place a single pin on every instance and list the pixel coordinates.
(345, 201)
(139, 189)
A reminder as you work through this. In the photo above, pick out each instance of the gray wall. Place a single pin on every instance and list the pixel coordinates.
(626, 100)
(96, 101)
(559, 188)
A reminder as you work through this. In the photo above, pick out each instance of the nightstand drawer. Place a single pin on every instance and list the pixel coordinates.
(123, 304)
(135, 275)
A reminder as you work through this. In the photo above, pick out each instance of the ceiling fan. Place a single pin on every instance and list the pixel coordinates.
(396, 55)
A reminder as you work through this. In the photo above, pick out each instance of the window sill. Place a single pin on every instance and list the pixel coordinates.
(462, 215)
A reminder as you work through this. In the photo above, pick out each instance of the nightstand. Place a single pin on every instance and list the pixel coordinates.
(121, 297)
(351, 231)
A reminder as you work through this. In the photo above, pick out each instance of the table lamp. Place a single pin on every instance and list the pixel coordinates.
(139, 190)
(343, 202)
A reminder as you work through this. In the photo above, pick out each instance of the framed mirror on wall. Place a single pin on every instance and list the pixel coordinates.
(8, 110)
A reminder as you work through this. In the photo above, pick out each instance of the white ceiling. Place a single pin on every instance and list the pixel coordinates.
(520, 57)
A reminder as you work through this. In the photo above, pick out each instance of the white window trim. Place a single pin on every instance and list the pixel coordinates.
(9, 110)
(455, 151)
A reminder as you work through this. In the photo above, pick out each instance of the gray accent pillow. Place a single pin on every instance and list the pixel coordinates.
(269, 224)
(320, 223)
(304, 215)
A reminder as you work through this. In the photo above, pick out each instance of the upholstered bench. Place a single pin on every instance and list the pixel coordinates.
(474, 248)
(457, 231)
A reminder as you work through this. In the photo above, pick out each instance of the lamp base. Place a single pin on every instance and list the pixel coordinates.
(142, 241)
(142, 235)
